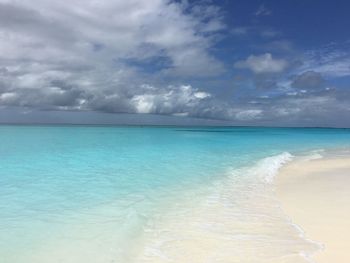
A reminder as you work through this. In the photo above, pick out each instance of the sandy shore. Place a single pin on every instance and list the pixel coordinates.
(315, 194)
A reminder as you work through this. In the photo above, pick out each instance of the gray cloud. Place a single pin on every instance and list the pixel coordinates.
(264, 63)
(309, 80)
(74, 56)
(153, 57)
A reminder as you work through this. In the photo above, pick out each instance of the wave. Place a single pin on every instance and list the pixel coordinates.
(238, 219)
(268, 167)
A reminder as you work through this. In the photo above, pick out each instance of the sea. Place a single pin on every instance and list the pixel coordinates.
(124, 194)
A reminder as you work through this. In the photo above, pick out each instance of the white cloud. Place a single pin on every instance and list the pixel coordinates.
(249, 115)
(144, 103)
(264, 63)
(171, 100)
(7, 96)
(331, 61)
(263, 11)
(57, 32)
(89, 55)
(202, 95)
(137, 56)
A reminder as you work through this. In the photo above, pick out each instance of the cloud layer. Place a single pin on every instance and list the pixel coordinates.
(164, 57)
(95, 55)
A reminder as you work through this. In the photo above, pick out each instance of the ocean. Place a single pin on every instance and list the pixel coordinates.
(123, 194)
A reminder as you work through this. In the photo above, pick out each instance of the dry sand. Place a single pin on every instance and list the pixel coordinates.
(315, 194)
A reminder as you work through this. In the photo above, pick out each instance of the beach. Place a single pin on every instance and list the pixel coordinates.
(315, 194)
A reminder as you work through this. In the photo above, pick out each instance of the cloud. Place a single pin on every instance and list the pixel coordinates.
(262, 64)
(101, 55)
(179, 100)
(332, 61)
(309, 80)
(262, 11)
(249, 115)
(156, 57)
(255, 31)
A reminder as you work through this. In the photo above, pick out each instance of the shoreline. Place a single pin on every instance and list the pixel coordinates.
(315, 195)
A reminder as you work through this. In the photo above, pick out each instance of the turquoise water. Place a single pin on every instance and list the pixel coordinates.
(80, 193)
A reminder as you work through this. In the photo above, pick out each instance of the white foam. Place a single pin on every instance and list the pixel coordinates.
(268, 167)
(238, 217)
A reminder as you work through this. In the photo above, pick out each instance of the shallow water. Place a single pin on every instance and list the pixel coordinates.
(146, 194)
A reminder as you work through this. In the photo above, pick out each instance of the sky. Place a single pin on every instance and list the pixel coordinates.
(224, 62)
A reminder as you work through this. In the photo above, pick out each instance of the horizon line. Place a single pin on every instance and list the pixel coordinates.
(162, 125)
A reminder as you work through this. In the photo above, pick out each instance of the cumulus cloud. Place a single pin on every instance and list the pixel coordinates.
(151, 57)
(91, 55)
(172, 100)
(264, 63)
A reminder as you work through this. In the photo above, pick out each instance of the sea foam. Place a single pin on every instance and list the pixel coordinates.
(238, 219)
(268, 167)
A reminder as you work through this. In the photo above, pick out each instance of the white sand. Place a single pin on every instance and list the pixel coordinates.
(316, 196)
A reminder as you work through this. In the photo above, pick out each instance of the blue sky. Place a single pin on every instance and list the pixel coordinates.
(280, 63)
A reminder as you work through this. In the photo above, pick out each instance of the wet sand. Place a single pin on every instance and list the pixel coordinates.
(315, 194)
